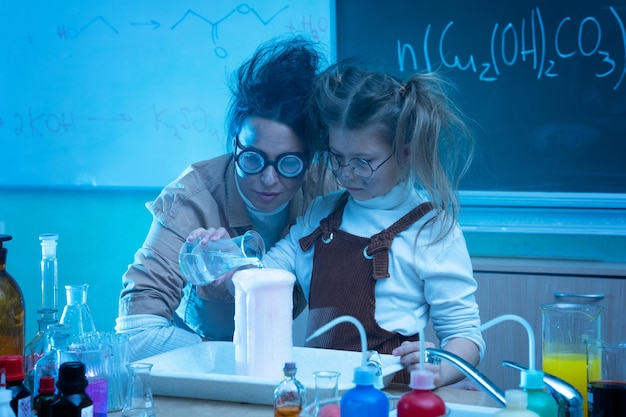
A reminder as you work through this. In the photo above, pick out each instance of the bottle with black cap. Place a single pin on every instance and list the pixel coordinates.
(72, 399)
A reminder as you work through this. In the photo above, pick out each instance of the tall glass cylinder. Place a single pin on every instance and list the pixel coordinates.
(49, 274)
(39, 345)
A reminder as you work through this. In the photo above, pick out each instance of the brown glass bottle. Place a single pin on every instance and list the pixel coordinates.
(11, 309)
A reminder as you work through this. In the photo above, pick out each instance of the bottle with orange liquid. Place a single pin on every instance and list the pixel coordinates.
(11, 309)
(290, 394)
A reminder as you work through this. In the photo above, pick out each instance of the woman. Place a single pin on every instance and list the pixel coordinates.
(263, 185)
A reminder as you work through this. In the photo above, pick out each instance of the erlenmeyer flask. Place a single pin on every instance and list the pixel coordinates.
(139, 400)
(76, 312)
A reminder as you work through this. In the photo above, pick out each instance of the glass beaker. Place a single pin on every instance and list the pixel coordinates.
(204, 263)
(96, 358)
(76, 313)
(606, 373)
(566, 327)
(326, 384)
(139, 402)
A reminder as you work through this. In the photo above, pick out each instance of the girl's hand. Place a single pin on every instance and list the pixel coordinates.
(409, 353)
(205, 235)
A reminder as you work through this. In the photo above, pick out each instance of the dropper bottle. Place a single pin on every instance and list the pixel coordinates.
(531, 379)
(516, 403)
(421, 402)
(5, 399)
(364, 399)
(539, 400)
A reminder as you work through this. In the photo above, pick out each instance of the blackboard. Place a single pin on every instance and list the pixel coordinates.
(127, 93)
(544, 81)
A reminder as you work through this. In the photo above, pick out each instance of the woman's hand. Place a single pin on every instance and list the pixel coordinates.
(205, 235)
(409, 353)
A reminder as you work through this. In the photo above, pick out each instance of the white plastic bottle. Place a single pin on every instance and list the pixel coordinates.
(516, 403)
(5, 403)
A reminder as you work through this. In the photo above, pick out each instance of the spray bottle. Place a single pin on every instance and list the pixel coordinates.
(364, 399)
(531, 380)
(421, 402)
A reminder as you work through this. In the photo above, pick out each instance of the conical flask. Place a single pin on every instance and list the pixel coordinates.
(76, 313)
(139, 400)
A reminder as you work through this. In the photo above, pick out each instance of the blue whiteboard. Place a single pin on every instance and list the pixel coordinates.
(127, 94)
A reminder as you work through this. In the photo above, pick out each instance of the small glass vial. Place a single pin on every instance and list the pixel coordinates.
(13, 366)
(72, 399)
(43, 399)
(139, 400)
(290, 394)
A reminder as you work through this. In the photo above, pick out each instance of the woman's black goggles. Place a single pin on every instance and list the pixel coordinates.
(252, 161)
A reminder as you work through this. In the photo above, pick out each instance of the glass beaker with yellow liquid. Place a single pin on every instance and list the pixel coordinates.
(566, 327)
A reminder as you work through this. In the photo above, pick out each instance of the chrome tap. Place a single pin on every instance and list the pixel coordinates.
(568, 398)
(434, 356)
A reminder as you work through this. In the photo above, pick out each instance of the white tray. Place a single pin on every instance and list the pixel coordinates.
(207, 371)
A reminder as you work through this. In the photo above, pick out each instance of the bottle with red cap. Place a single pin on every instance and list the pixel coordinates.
(421, 401)
(13, 366)
(42, 401)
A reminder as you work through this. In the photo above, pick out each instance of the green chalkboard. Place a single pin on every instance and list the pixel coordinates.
(544, 81)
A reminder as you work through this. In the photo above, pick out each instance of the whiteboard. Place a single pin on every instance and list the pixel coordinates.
(127, 93)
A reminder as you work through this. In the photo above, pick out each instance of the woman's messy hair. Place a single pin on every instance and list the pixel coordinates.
(276, 84)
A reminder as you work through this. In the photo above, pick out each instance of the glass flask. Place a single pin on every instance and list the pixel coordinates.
(139, 402)
(36, 349)
(58, 353)
(76, 312)
(290, 394)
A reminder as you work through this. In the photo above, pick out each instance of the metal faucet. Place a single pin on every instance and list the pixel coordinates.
(435, 356)
(567, 397)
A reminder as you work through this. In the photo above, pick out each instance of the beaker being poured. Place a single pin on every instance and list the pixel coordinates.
(202, 264)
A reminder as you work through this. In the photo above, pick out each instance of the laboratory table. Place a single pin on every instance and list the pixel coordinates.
(179, 407)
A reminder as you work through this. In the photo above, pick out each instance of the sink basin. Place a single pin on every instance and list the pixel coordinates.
(462, 410)
(207, 371)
